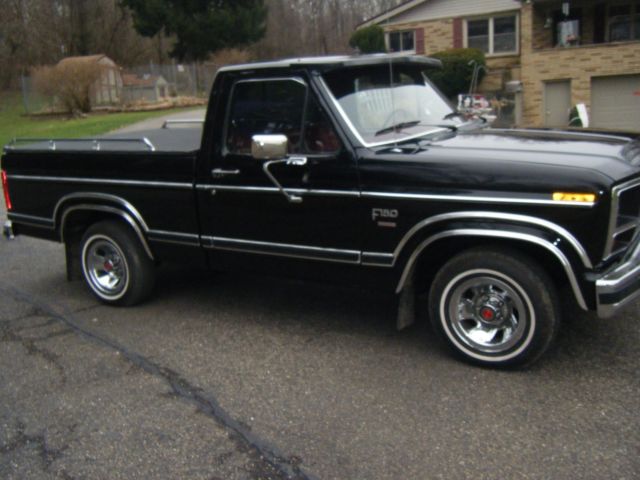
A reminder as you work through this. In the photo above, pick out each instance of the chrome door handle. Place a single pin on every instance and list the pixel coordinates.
(220, 173)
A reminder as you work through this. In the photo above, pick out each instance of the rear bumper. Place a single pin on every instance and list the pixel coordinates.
(619, 286)
(7, 230)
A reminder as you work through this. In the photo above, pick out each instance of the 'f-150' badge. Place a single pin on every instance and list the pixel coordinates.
(383, 216)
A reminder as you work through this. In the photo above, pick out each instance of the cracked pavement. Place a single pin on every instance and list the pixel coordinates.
(66, 422)
(222, 376)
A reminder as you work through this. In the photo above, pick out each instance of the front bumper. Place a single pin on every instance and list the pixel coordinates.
(7, 230)
(620, 285)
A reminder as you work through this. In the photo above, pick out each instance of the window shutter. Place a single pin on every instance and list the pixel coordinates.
(457, 33)
(419, 41)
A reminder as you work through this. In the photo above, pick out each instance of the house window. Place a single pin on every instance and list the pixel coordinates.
(624, 22)
(401, 41)
(493, 35)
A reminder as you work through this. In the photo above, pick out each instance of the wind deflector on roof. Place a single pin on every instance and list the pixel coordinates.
(385, 59)
(328, 63)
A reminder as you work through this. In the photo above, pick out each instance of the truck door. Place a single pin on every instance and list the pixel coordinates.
(241, 207)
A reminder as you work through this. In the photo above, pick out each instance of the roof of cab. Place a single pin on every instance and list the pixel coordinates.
(331, 62)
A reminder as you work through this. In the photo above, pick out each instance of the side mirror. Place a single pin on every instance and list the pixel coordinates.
(269, 147)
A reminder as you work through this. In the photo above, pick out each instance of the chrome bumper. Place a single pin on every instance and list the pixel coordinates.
(620, 286)
(7, 230)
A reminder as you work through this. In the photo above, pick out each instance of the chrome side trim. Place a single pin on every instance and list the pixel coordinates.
(476, 199)
(180, 238)
(470, 232)
(234, 188)
(377, 259)
(307, 252)
(396, 196)
(112, 210)
(297, 191)
(525, 219)
(32, 220)
(101, 181)
(102, 197)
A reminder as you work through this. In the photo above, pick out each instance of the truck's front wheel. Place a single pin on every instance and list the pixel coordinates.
(115, 266)
(494, 307)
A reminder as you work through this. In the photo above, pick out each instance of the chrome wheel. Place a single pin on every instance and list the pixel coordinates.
(105, 267)
(494, 307)
(487, 313)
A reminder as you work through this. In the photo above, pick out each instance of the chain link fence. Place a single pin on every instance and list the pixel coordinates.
(142, 86)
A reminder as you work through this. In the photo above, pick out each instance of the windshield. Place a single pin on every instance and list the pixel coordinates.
(385, 104)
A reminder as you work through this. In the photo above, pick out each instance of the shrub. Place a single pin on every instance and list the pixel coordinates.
(456, 73)
(70, 83)
(368, 39)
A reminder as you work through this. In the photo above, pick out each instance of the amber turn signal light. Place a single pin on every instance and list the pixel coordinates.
(574, 197)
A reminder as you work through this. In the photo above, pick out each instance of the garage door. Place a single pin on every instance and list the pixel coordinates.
(615, 102)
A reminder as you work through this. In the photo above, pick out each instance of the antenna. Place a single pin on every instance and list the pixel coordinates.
(393, 106)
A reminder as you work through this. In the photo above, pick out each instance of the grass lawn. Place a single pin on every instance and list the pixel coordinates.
(13, 122)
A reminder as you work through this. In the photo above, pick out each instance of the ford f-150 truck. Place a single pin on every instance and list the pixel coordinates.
(353, 169)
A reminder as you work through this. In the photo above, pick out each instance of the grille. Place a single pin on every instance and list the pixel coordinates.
(625, 217)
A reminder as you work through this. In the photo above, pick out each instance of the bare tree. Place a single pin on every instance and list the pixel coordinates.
(314, 27)
(42, 32)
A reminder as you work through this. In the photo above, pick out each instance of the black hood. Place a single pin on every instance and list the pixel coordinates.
(613, 156)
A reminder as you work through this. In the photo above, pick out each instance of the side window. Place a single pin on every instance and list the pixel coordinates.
(319, 135)
(265, 107)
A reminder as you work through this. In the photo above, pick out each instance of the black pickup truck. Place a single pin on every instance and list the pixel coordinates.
(353, 169)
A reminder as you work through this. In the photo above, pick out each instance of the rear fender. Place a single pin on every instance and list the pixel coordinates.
(110, 205)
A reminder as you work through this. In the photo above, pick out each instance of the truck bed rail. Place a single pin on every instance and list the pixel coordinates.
(54, 143)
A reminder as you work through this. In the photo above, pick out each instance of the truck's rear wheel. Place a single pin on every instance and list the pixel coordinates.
(494, 307)
(115, 265)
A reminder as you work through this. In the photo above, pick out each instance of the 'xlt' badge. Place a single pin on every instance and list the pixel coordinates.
(384, 217)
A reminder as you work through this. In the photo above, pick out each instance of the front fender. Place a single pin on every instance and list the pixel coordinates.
(554, 239)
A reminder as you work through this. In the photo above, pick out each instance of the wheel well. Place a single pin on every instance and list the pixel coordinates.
(428, 264)
(77, 222)
(74, 224)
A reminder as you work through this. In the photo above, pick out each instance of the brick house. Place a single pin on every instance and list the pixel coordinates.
(564, 52)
